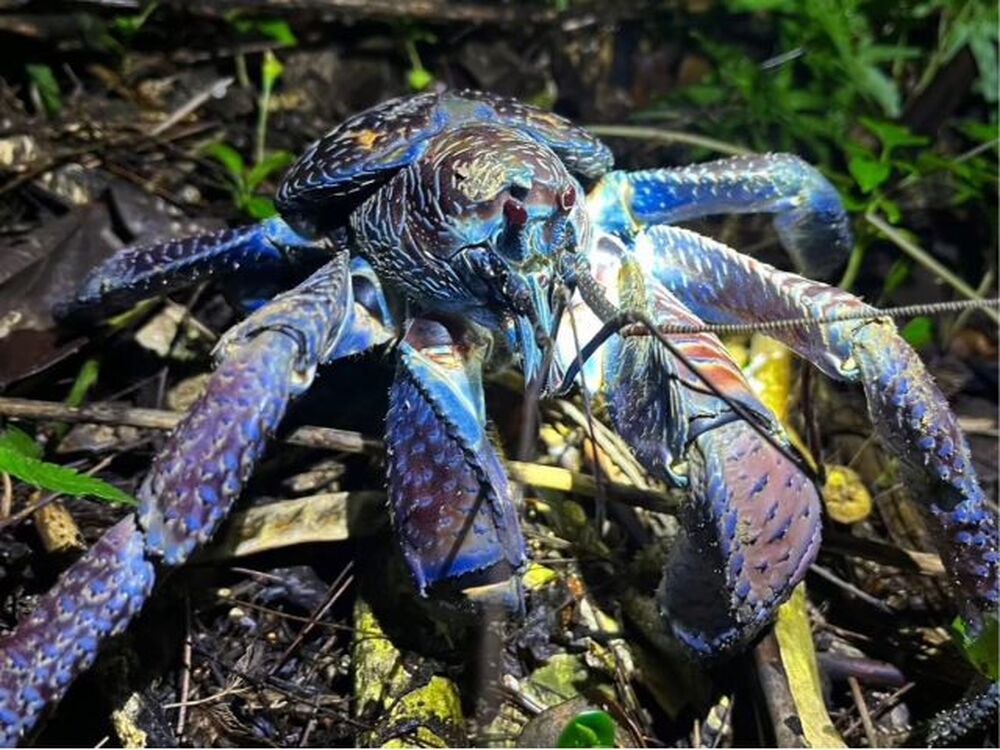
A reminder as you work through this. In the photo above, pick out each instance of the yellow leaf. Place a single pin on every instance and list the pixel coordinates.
(846, 498)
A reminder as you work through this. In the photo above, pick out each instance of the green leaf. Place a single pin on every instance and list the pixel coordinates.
(892, 135)
(259, 207)
(919, 332)
(898, 273)
(273, 162)
(276, 29)
(980, 650)
(44, 80)
(229, 158)
(129, 25)
(85, 380)
(21, 442)
(55, 478)
(588, 729)
(868, 172)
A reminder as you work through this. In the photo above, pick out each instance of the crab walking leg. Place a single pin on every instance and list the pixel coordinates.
(267, 360)
(809, 216)
(752, 526)
(256, 251)
(450, 498)
(909, 412)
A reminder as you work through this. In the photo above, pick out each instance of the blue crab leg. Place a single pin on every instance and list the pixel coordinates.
(257, 252)
(809, 217)
(264, 362)
(909, 412)
(753, 524)
(450, 498)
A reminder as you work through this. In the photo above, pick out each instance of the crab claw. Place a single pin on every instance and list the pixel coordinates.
(752, 526)
(752, 530)
(450, 497)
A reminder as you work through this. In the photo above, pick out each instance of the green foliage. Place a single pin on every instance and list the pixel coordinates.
(829, 80)
(44, 81)
(21, 442)
(919, 332)
(417, 77)
(981, 649)
(275, 29)
(244, 182)
(588, 729)
(128, 26)
(20, 456)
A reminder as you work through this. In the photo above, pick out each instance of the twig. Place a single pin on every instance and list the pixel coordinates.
(159, 419)
(866, 719)
(8, 495)
(647, 133)
(926, 260)
(216, 90)
(852, 590)
(186, 650)
(327, 438)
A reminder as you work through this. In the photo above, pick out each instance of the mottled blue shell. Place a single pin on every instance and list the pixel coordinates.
(337, 172)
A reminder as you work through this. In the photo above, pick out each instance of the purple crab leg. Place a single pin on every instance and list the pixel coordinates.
(267, 360)
(450, 498)
(257, 252)
(753, 524)
(809, 217)
(909, 412)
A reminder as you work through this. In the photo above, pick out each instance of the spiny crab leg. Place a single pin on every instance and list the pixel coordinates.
(752, 526)
(256, 252)
(451, 501)
(909, 412)
(263, 363)
(809, 217)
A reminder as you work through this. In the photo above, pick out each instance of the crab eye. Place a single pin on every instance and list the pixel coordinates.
(567, 198)
(515, 213)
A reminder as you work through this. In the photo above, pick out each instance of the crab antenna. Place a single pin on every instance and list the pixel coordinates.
(537, 384)
(615, 319)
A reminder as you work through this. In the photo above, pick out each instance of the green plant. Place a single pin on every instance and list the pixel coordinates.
(20, 456)
(43, 81)
(829, 79)
(244, 180)
(588, 729)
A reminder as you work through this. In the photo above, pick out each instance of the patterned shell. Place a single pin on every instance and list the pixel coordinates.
(337, 172)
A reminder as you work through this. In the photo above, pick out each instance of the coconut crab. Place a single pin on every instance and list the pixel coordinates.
(457, 227)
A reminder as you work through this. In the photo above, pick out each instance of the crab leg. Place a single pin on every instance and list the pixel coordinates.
(263, 363)
(809, 217)
(256, 253)
(450, 498)
(909, 412)
(753, 524)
